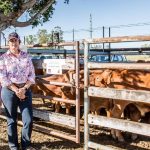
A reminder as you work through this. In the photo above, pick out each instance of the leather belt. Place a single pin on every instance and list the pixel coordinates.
(19, 85)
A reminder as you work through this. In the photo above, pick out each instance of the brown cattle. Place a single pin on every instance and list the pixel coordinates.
(98, 78)
(96, 103)
(127, 79)
(123, 79)
(43, 87)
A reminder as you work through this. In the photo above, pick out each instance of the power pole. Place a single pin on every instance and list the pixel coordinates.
(103, 37)
(109, 45)
(109, 36)
(91, 29)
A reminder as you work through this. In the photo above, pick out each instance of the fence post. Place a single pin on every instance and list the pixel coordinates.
(86, 98)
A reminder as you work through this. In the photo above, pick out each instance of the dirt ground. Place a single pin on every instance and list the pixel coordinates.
(100, 135)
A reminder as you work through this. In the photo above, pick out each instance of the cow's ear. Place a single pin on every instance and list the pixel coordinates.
(107, 76)
(109, 79)
(66, 76)
(106, 72)
(124, 72)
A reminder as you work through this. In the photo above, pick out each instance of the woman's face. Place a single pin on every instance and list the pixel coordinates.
(14, 44)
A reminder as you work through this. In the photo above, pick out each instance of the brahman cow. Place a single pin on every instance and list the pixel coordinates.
(43, 86)
(96, 103)
(127, 79)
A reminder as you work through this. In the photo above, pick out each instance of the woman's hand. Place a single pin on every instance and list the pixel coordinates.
(21, 93)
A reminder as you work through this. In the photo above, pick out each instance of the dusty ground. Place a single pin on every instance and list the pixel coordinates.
(46, 142)
(42, 141)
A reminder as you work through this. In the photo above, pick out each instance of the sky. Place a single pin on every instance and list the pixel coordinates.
(107, 13)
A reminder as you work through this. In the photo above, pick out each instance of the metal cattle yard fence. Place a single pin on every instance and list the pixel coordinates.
(112, 93)
(61, 119)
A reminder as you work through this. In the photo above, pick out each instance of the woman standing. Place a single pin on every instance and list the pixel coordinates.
(0, 101)
(16, 77)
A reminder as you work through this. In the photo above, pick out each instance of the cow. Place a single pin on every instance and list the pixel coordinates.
(96, 103)
(44, 87)
(123, 79)
(128, 79)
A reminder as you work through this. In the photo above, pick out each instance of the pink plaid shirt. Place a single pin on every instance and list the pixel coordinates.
(16, 69)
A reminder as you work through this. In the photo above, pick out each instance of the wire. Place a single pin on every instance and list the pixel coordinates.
(107, 27)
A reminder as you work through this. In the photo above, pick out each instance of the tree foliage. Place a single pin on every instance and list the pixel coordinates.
(38, 12)
(43, 37)
(31, 39)
(57, 34)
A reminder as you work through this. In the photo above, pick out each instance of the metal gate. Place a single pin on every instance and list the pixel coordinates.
(124, 94)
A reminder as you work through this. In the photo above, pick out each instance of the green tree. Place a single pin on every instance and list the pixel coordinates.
(42, 36)
(31, 39)
(57, 34)
(38, 12)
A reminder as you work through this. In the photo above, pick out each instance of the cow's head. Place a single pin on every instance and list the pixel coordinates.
(68, 91)
(102, 79)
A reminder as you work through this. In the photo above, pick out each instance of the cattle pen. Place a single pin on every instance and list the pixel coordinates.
(111, 93)
(132, 95)
(63, 119)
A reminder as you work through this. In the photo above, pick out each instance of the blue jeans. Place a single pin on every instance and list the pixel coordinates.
(11, 103)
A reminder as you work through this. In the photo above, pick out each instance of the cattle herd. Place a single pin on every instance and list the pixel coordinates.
(108, 78)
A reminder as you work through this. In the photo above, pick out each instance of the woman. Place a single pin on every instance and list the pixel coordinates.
(0, 101)
(16, 77)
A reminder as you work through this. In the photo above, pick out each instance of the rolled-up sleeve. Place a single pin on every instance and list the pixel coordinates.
(31, 76)
(3, 74)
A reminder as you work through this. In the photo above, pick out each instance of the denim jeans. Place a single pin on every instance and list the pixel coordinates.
(11, 103)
